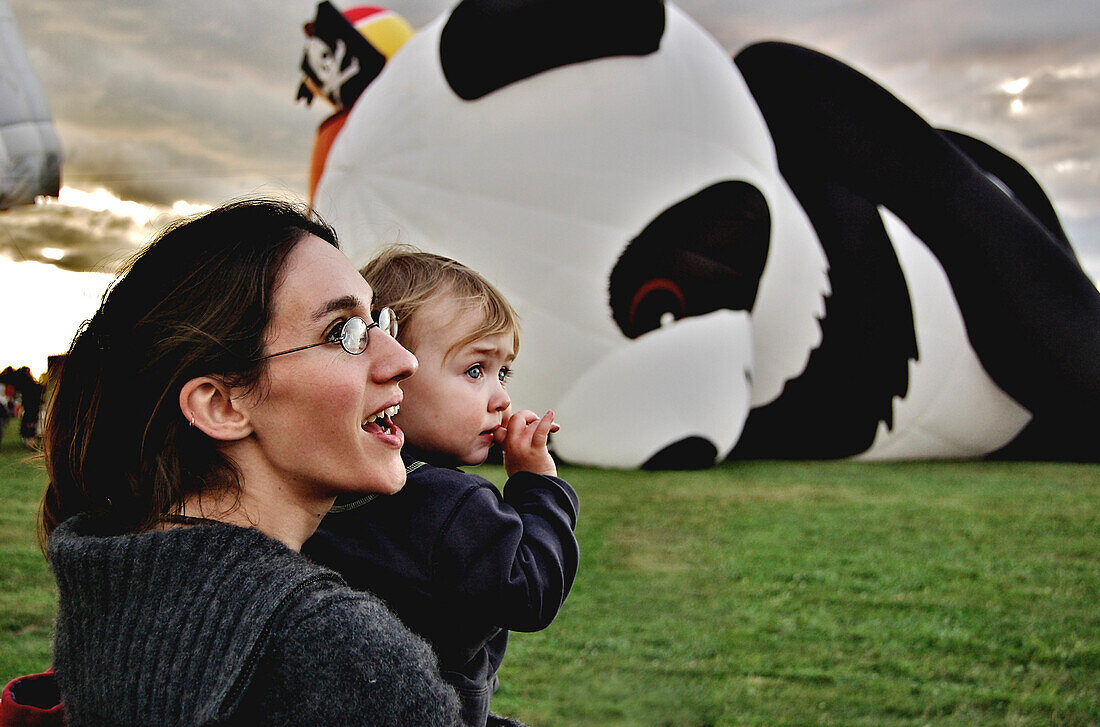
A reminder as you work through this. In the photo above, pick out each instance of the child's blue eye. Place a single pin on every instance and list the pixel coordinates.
(474, 372)
(504, 374)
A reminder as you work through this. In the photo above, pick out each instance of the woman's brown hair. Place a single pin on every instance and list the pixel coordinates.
(195, 302)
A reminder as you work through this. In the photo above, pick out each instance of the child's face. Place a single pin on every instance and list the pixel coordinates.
(457, 398)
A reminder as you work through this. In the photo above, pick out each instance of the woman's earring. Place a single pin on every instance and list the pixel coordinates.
(192, 424)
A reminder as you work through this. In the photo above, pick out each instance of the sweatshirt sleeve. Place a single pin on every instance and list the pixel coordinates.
(510, 560)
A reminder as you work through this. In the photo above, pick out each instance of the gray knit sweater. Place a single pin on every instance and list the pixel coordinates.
(222, 625)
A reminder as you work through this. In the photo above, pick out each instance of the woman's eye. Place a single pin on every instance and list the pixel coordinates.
(474, 372)
(336, 333)
(504, 374)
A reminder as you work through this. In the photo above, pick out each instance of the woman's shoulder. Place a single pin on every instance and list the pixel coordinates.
(326, 606)
(229, 564)
(359, 660)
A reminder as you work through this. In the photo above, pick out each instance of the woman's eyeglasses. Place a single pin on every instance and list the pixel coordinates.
(352, 335)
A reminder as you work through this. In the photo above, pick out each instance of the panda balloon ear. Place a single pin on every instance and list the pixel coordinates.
(487, 45)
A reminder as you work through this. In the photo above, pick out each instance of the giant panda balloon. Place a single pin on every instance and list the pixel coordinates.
(764, 257)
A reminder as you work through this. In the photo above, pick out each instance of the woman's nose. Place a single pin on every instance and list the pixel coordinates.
(393, 361)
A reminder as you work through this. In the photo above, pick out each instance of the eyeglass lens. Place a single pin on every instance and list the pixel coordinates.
(387, 321)
(354, 336)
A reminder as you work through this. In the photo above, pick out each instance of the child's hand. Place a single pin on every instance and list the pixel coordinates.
(523, 437)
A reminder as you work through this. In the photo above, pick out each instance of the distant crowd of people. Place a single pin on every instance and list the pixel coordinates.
(21, 397)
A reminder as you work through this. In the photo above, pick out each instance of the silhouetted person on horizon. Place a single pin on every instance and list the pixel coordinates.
(31, 393)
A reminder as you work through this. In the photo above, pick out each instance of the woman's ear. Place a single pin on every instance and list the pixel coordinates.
(206, 403)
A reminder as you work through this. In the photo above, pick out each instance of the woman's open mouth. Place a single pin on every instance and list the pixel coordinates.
(381, 421)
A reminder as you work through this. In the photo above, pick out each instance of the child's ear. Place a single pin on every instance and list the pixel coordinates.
(207, 405)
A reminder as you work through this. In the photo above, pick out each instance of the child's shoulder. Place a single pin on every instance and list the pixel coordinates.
(421, 474)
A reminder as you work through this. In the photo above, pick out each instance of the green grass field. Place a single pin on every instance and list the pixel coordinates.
(772, 593)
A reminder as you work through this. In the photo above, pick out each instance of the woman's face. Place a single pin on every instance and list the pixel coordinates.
(310, 416)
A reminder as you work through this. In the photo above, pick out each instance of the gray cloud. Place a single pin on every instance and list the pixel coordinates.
(89, 240)
(167, 100)
(164, 100)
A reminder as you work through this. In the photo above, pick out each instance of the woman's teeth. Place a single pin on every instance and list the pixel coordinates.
(382, 418)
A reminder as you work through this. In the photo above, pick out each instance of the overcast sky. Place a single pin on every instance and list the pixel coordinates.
(167, 104)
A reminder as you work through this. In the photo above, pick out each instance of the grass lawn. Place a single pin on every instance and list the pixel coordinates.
(772, 593)
(27, 593)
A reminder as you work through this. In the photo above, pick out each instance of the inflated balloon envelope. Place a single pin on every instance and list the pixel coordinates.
(688, 413)
(667, 221)
(30, 150)
(416, 162)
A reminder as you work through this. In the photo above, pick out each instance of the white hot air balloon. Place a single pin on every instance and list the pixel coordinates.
(30, 151)
(764, 256)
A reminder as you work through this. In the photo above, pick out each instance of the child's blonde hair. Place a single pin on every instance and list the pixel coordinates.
(406, 278)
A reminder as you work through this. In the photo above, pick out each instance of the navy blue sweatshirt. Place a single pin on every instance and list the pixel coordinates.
(460, 563)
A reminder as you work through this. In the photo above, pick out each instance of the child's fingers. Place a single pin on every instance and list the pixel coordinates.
(510, 424)
(525, 441)
(510, 430)
(520, 430)
(519, 421)
(542, 430)
(501, 433)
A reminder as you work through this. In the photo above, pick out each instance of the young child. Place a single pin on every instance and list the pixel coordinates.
(460, 563)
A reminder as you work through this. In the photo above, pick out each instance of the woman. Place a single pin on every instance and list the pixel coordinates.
(231, 385)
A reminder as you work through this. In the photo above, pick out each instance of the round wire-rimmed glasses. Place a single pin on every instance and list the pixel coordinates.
(353, 335)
